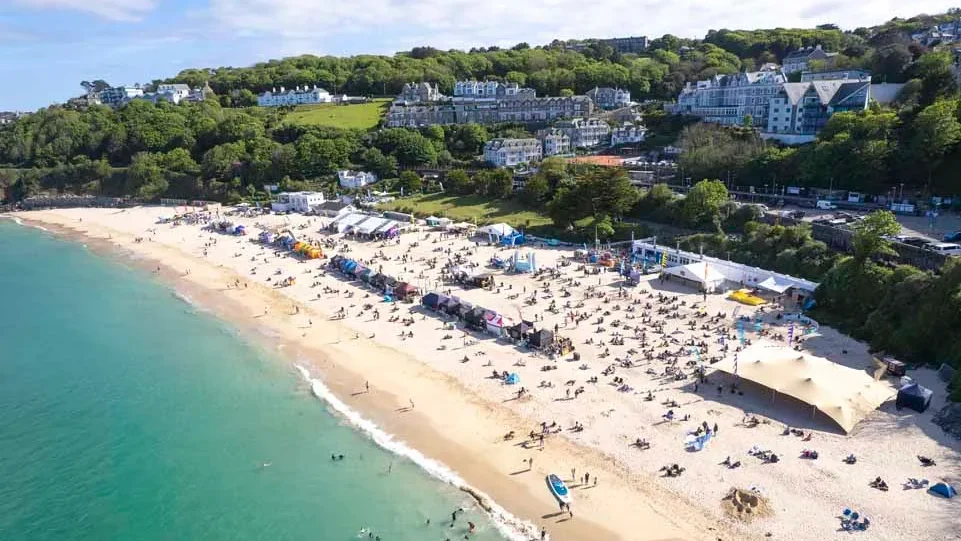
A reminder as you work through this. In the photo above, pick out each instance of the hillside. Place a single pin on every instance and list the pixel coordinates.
(362, 116)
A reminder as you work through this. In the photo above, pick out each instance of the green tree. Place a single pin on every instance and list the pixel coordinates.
(409, 181)
(703, 203)
(458, 182)
(870, 235)
(535, 191)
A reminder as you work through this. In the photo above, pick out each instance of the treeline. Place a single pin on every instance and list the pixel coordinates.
(202, 150)
(657, 73)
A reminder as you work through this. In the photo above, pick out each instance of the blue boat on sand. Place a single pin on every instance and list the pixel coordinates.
(558, 489)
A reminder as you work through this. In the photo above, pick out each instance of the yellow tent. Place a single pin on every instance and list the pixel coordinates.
(846, 395)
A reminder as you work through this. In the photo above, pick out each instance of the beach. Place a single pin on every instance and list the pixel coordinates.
(432, 387)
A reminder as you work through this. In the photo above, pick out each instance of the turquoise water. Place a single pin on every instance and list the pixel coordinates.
(127, 415)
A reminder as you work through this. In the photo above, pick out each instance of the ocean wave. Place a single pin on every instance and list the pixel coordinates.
(507, 524)
(185, 298)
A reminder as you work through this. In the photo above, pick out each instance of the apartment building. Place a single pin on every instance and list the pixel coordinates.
(119, 95)
(485, 89)
(609, 98)
(585, 132)
(800, 59)
(731, 100)
(522, 107)
(555, 142)
(512, 152)
(414, 93)
(354, 180)
(628, 133)
(800, 110)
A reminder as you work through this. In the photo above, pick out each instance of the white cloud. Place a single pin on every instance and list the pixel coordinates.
(115, 10)
(467, 23)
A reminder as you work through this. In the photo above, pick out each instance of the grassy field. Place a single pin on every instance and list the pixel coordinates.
(469, 208)
(360, 116)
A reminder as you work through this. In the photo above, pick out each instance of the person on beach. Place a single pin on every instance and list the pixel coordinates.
(543, 534)
(367, 386)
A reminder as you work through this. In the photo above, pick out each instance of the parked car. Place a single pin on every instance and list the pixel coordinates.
(947, 248)
(824, 204)
(954, 236)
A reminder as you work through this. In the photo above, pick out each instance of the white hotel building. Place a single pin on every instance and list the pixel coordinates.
(512, 152)
(731, 99)
(297, 96)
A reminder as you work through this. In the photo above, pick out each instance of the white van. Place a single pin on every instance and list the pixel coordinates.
(946, 248)
(824, 204)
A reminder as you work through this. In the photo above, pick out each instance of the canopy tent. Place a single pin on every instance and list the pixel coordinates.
(477, 318)
(403, 290)
(846, 395)
(512, 379)
(700, 273)
(367, 227)
(521, 330)
(541, 338)
(451, 306)
(914, 396)
(433, 300)
(364, 275)
(774, 285)
(377, 280)
(495, 323)
(358, 268)
(463, 309)
(496, 231)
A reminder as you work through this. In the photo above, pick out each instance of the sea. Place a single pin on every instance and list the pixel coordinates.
(128, 414)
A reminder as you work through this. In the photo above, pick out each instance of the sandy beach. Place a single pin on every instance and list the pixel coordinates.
(432, 386)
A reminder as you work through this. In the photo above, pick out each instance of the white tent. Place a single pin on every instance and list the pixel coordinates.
(497, 230)
(774, 285)
(700, 273)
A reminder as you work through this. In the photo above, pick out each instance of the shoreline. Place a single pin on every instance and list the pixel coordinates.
(473, 452)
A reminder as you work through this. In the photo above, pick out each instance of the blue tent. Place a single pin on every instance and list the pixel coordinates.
(513, 379)
(943, 489)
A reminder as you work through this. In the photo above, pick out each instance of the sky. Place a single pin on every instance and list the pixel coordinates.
(48, 46)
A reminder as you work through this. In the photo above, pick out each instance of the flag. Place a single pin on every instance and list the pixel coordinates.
(790, 335)
(735, 365)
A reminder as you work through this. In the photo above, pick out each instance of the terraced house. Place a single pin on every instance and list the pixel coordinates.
(508, 104)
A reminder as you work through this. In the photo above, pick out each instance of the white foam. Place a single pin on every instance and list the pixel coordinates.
(185, 298)
(507, 524)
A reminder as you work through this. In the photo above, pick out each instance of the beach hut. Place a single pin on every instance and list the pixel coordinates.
(914, 396)
(433, 300)
(364, 275)
(541, 339)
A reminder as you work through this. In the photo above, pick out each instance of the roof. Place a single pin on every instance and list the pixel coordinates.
(775, 285)
(331, 205)
(699, 271)
(501, 230)
(497, 144)
(844, 394)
